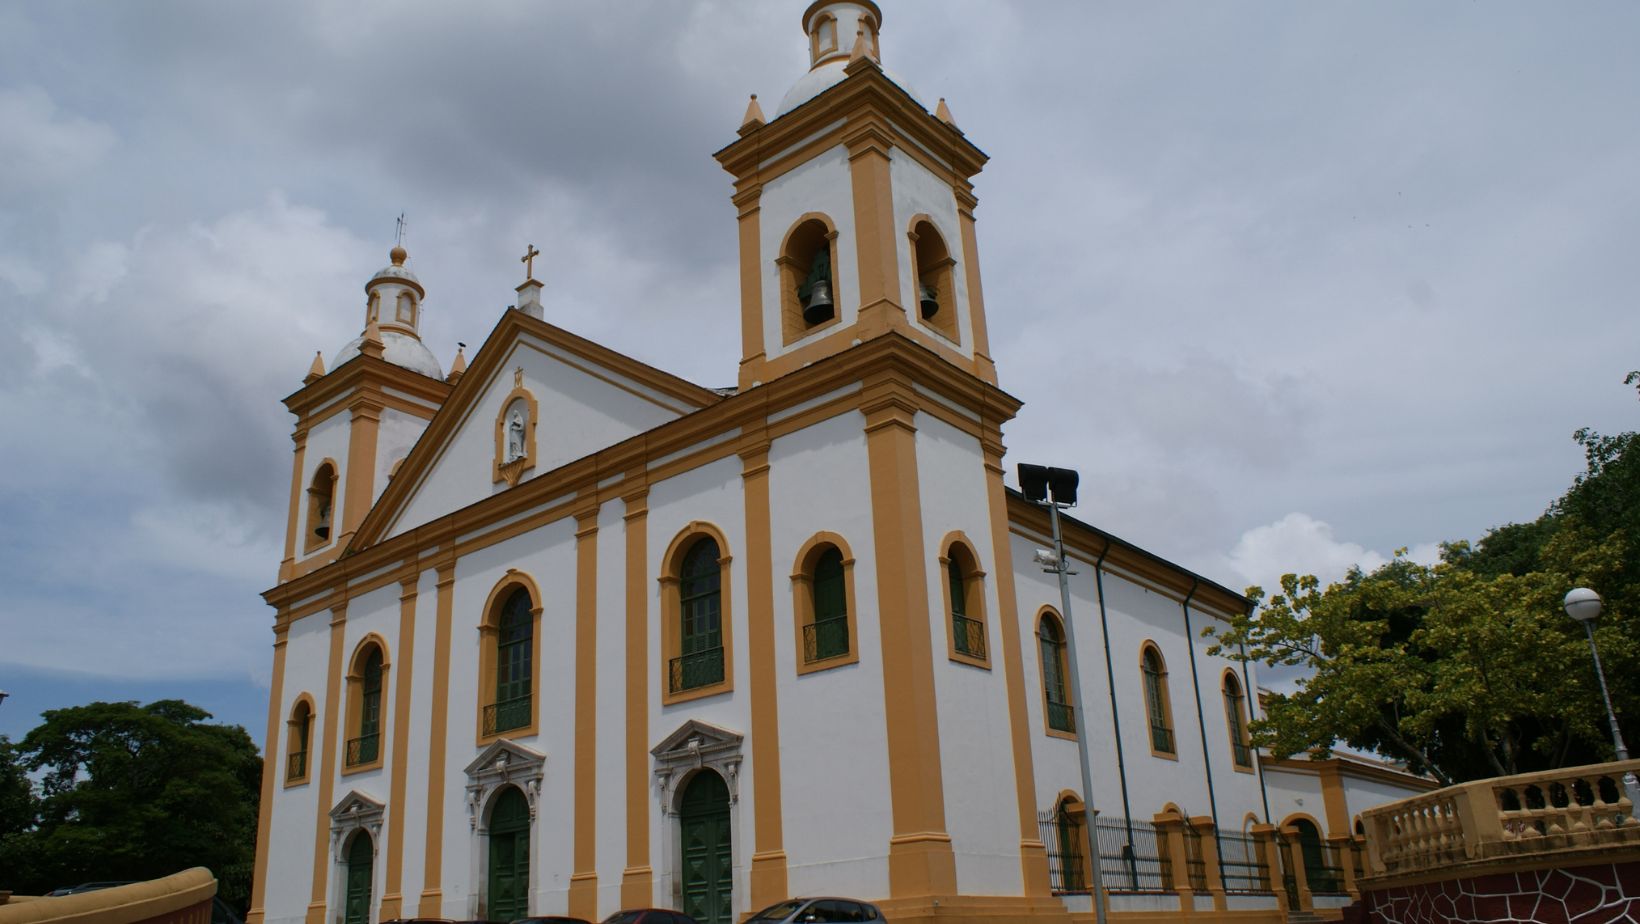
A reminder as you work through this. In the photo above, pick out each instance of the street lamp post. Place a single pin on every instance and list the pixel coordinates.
(1583, 605)
(1053, 488)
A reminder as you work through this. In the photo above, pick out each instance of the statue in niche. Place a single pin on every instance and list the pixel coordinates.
(515, 435)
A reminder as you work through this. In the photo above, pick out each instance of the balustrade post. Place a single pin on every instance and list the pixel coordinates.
(1264, 837)
(1170, 837)
(1378, 832)
(1480, 825)
(1301, 876)
(1209, 834)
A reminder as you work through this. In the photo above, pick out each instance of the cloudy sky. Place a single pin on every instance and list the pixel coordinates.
(1292, 284)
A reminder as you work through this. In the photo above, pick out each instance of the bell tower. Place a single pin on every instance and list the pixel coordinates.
(856, 211)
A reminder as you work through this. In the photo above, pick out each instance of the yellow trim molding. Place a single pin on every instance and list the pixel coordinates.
(489, 627)
(958, 547)
(803, 600)
(672, 611)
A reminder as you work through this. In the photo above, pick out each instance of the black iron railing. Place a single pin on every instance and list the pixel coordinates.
(507, 715)
(1161, 739)
(826, 638)
(970, 635)
(1061, 717)
(363, 749)
(1243, 866)
(696, 670)
(297, 766)
(1195, 863)
(1328, 874)
(1065, 842)
(1132, 857)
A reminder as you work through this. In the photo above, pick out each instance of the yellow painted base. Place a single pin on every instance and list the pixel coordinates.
(637, 887)
(768, 878)
(1001, 909)
(583, 895)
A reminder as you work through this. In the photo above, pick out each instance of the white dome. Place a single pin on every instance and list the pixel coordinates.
(826, 76)
(400, 350)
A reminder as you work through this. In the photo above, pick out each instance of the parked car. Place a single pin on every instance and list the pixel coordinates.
(552, 919)
(649, 916)
(817, 911)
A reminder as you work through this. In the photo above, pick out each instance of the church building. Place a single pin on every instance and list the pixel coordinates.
(559, 632)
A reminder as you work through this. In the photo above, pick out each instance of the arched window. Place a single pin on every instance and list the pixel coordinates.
(823, 603)
(1158, 706)
(299, 737)
(405, 311)
(965, 601)
(320, 505)
(936, 287)
(1235, 720)
(514, 649)
(365, 682)
(700, 599)
(1061, 714)
(697, 643)
(808, 278)
(822, 37)
(508, 669)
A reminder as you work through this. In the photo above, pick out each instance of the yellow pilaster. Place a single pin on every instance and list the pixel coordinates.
(438, 725)
(392, 899)
(769, 856)
(583, 882)
(271, 765)
(327, 766)
(637, 880)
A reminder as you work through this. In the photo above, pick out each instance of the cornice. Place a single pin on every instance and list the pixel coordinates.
(892, 364)
(364, 375)
(864, 95)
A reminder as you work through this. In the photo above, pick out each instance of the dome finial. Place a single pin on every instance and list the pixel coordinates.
(397, 254)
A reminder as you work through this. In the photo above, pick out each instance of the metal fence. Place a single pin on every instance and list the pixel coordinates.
(1242, 866)
(1327, 875)
(1195, 864)
(1066, 841)
(1131, 856)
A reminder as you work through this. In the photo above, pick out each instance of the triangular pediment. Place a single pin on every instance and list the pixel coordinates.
(503, 757)
(579, 398)
(695, 737)
(357, 805)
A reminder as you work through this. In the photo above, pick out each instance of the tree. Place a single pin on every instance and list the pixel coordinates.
(1467, 668)
(131, 792)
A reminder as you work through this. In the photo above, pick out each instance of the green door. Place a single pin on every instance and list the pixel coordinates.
(360, 858)
(509, 895)
(704, 817)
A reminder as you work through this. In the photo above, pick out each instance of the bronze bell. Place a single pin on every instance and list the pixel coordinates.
(927, 300)
(819, 308)
(323, 529)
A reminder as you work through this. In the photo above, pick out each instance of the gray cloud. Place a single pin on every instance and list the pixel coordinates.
(1283, 282)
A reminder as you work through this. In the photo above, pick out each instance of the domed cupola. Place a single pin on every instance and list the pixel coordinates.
(393, 300)
(835, 28)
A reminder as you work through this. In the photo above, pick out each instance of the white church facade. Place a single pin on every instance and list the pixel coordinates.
(558, 632)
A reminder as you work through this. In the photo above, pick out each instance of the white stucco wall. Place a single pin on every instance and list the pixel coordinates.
(837, 812)
(820, 185)
(394, 439)
(577, 415)
(975, 746)
(290, 837)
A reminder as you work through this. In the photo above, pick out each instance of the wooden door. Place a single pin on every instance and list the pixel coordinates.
(509, 886)
(707, 854)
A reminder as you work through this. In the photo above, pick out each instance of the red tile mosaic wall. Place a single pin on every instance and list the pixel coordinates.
(1605, 893)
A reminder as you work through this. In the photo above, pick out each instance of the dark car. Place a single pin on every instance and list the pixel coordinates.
(649, 916)
(552, 919)
(816, 911)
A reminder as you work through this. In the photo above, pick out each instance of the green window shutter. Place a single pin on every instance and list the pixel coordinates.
(371, 717)
(701, 609)
(515, 638)
(1161, 735)
(1052, 643)
(828, 636)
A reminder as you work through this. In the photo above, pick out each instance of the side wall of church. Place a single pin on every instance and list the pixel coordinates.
(976, 752)
(399, 432)
(919, 192)
(820, 481)
(290, 842)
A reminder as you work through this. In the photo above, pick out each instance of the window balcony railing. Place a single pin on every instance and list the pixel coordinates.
(970, 636)
(827, 638)
(297, 766)
(1061, 717)
(1161, 739)
(700, 669)
(507, 715)
(1242, 754)
(363, 749)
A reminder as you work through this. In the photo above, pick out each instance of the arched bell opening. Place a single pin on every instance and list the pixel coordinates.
(320, 506)
(932, 265)
(808, 278)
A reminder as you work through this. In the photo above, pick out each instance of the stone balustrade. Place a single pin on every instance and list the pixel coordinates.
(1573, 809)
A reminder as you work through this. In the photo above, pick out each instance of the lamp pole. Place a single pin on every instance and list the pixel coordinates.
(1583, 605)
(1051, 488)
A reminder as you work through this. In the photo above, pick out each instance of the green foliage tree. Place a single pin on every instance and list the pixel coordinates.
(128, 792)
(1468, 668)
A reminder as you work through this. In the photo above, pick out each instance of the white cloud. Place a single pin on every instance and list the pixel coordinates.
(41, 144)
(1300, 544)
